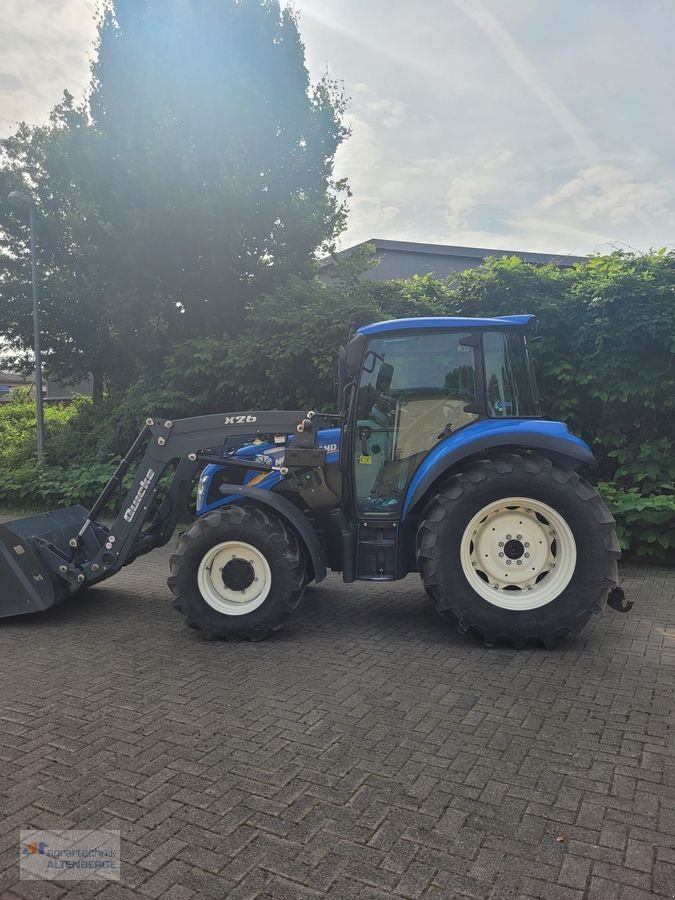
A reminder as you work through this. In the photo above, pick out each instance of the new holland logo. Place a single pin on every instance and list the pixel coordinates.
(138, 499)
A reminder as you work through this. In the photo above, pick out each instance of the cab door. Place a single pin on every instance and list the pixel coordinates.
(413, 390)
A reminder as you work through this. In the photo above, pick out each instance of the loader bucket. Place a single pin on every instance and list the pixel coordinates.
(26, 584)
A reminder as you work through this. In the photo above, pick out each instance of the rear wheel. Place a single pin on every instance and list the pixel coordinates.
(238, 572)
(518, 549)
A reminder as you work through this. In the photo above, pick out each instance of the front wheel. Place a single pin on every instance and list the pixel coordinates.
(238, 572)
(519, 550)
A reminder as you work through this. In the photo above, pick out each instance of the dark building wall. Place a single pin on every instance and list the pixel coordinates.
(51, 390)
(394, 264)
(403, 259)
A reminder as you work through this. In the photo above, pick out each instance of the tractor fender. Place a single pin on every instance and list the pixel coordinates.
(289, 512)
(550, 439)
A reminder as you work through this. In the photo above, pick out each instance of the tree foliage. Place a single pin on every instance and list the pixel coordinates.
(197, 174)
(606, 358)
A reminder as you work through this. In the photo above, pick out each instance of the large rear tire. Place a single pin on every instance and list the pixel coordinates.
(518, 549)
(238, 572)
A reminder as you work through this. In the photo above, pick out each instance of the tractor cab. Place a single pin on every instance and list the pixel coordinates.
(414, 383)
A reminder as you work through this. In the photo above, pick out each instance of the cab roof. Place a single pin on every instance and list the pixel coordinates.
(456, 323)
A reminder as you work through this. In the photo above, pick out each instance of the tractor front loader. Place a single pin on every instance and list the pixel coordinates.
(438, 463)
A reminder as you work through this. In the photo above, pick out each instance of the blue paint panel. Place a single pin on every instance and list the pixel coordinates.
(446, 323)
(327, 437)
(500, 431)
(209, 472)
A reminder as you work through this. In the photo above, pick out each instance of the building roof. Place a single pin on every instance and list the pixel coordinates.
(14, 378)
(454, 250)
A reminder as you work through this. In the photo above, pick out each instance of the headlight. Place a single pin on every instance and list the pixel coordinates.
(201, 491)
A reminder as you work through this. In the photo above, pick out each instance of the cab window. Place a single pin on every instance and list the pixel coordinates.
(510, 387)
(413, 392)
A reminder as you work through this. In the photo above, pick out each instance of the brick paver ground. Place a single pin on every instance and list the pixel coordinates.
(366, 751)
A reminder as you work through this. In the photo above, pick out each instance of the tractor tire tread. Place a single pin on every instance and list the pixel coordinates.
(271, 532)
(440, 508)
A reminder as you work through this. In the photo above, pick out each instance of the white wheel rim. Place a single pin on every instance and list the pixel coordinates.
(234, 578)
(513, 559)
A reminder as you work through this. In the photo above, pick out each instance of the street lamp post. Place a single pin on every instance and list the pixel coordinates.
(25, 202)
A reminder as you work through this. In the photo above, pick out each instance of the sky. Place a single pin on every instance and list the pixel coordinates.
(512, 124)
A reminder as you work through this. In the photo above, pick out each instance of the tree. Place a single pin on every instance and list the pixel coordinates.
(79, 303)
(195, 177)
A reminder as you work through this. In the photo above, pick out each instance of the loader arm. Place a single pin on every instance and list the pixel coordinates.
(58, 553)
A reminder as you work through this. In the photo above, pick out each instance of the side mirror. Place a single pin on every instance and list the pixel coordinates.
(354, 355)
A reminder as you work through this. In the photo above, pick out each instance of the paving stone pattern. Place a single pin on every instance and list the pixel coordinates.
(366, 751)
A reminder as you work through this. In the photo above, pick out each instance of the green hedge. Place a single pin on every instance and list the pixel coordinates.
(645, 525)
(32, 487)
(72, 471)
(605, 361)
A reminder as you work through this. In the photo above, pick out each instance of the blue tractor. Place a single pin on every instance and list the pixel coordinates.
(438, 462)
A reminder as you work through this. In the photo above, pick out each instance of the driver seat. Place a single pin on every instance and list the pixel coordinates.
(420, 422)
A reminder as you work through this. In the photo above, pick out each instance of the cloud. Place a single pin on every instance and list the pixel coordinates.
(376, 209)
(527, 73)
(616, 195)
(390, 112)
(45, 46)
(469, 187)
(9, 82)
(492, 149)
(542, 233)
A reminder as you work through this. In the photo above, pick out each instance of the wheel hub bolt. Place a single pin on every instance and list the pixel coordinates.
(519, 562)
(527, 543)
(501, 554)
(508, 562)
(527, 556)
(508, 537)
(501, 543)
